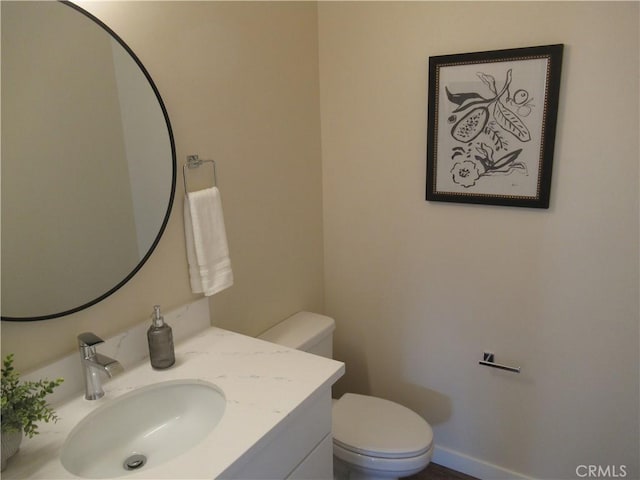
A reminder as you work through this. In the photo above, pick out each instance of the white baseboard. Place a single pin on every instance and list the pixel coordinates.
(473, 466)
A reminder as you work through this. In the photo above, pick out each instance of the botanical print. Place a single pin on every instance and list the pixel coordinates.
(490, 127)
(495, 118)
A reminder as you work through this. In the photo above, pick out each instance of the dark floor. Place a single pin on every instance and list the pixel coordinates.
(438, 472)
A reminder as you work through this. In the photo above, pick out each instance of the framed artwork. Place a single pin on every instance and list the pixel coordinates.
(491, 126)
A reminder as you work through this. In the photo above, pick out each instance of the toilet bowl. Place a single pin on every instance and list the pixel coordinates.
(373, 438)
(376, 438)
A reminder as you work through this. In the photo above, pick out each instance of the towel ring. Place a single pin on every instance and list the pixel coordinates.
(193, 161)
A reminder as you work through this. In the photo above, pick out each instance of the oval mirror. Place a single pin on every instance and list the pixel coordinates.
(88, 161)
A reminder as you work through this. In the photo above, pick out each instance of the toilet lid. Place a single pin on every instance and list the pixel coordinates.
(380, 428)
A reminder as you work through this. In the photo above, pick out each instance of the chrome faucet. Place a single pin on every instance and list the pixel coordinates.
(93, 364)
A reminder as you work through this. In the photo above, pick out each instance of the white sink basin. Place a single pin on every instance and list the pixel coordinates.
(143, 429)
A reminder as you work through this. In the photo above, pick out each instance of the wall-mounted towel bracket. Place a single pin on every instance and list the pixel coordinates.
(194, 161)
(488, 360)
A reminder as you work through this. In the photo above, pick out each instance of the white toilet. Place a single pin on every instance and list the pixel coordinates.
(372, 438)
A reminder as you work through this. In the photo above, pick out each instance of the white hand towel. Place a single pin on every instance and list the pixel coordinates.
(206, 237)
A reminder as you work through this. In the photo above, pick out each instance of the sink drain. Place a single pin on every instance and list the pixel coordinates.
(134, 462)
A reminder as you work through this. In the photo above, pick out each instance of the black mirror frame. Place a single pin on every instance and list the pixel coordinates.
(173, 180)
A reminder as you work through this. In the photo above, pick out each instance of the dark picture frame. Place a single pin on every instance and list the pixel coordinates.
(491, 126)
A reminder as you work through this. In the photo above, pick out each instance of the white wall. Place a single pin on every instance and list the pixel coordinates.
(419, 289)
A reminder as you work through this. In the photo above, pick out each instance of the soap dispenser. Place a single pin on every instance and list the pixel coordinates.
(160, 339)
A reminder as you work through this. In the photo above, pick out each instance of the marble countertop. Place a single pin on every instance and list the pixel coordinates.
(264, 384)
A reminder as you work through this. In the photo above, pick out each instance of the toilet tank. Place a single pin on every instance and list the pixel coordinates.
(306, 331)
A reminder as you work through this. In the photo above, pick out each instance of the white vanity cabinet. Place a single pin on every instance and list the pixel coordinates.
(276, 422)
(299, 448)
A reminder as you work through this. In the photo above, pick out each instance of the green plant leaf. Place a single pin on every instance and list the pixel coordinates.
(24, 404)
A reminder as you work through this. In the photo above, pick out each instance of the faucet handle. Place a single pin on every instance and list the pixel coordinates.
(88, 339)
